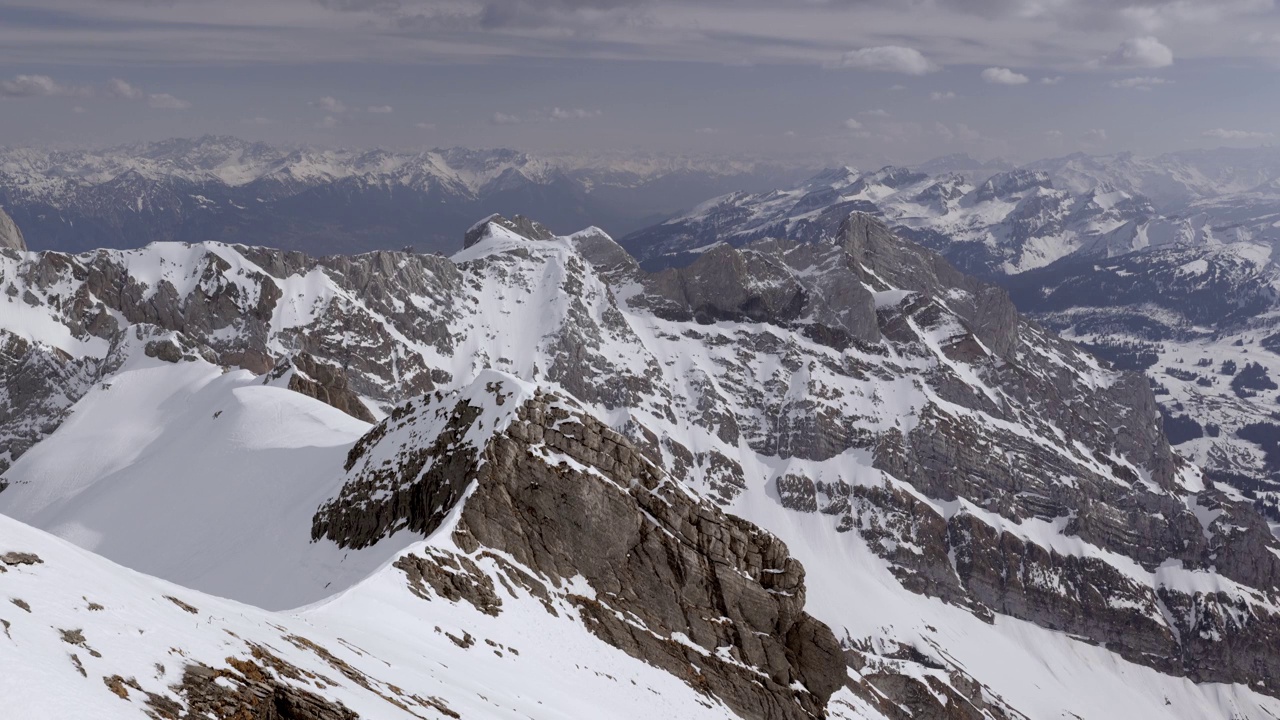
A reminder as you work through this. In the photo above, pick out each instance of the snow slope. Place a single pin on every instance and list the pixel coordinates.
(81, 637)
(206, 478)
(1041, 673)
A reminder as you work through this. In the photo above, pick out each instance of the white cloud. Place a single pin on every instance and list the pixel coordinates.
(707, 131)
(575, 113)
(330, 104)
(937, 96)
(78, 110)
(121, 89)
(501, 118)
(1054, 80)
(1141, 52)
(1004, 76)
(1053, 134)
(38, 86)
(888, 58)
(877, 112)
(1224, 134)
(1096, 135)
(852, 124)
(1139, 83)
(789, 133)
(328, 123)
(425, 126)
(165, 101)
(259, 121)
(379, 109)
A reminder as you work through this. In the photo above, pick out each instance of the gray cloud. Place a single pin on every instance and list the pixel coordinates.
(322, 68)
(880, 34)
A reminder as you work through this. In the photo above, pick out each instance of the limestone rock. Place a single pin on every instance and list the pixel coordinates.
(322, 381)
(10, 235)
(676, 581)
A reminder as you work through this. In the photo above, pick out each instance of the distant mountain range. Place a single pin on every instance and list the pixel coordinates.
(998, 220)
(341, 201)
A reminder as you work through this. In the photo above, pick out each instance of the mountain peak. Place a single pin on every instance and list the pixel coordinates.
(1012, 182)
(518, 225)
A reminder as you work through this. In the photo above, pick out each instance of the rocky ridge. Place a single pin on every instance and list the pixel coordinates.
(476, 634)
(670, 579)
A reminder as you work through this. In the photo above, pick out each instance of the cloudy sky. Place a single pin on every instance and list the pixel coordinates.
(898, 80)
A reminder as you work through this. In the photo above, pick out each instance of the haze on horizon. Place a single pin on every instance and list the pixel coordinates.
(857, 80)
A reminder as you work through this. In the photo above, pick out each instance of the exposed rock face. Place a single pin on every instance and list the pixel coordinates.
(776, 283)
(966, 560)
(245, 689)
(38, 385)
(985, 308)
(674, 580)
(322, 381)
(518, 224)
(10, 235)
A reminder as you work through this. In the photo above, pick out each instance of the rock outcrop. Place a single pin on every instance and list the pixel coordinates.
(322, 381)
(10, 235)
(672, 579)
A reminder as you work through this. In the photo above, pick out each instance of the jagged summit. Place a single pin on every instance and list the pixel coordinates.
(518, 225)
(1009, 184)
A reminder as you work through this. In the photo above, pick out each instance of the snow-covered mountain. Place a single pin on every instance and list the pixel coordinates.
(331, 201)
(1011, 222)
(792, 479)
(1151, 262)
